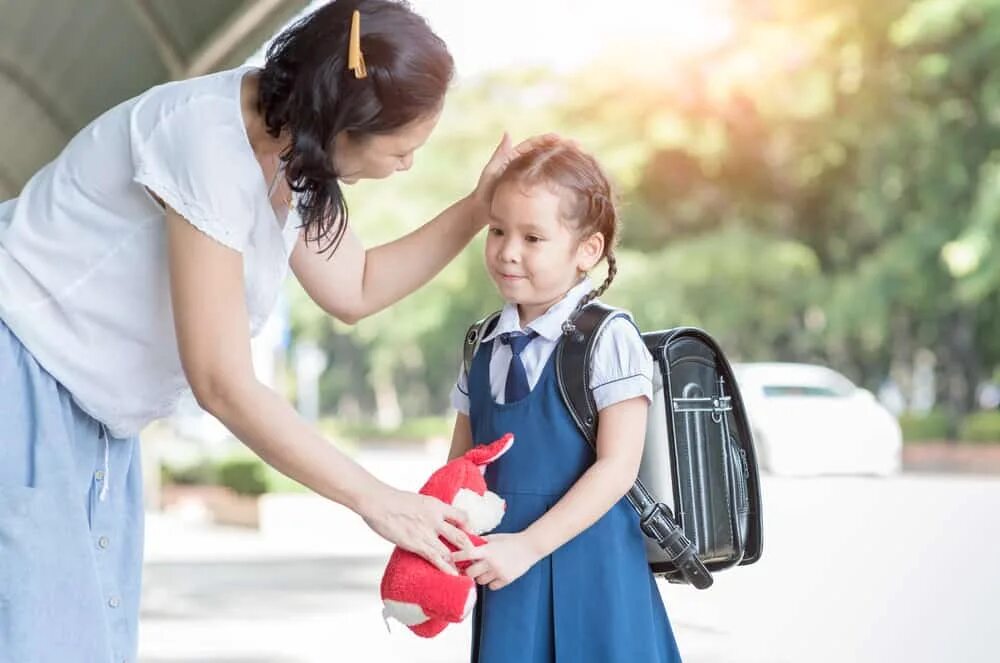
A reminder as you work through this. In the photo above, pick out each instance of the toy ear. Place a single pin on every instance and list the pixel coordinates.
(484, 454)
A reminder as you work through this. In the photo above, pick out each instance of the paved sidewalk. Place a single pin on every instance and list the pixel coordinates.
(854, 569)
(302, 590)
(225, 595)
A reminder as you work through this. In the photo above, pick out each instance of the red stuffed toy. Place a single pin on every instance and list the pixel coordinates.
(414, 591)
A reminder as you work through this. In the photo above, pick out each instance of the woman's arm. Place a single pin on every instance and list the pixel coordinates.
(207, 293)
(461, 436)
(620, 438)
(356, 282)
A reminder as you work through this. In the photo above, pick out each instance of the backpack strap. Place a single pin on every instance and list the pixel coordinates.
(574, 357)
(474, 338)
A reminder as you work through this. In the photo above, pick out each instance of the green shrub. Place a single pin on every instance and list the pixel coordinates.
(202, 473)
(279, 483)
(426, 427)
(416, 429)
(245, 476)
(981, 427)
(933, 425)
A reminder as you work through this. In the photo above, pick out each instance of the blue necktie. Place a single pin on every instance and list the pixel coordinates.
(517, 378)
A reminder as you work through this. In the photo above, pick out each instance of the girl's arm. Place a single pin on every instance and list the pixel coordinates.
(461, 437)
(620, 438)
(210, 317)
(356, 282)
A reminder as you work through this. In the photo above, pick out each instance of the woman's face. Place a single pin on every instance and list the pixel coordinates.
(377, 156)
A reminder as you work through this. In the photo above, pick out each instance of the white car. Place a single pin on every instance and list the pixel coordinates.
(810, 420)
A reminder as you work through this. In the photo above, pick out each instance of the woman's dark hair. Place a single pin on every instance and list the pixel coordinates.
(307, 89)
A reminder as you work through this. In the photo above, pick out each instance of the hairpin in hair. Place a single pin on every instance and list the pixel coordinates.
(355, 58)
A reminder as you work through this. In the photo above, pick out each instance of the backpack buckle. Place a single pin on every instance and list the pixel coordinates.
(717, 406)
(571, 330)
(652, 520)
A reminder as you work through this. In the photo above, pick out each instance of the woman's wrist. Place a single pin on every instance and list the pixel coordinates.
(474, 212)
(368, 498)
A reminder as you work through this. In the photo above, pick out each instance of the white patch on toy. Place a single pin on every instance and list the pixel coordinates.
(409, 614)
(470, 603)
(485, 511)
(499, 452)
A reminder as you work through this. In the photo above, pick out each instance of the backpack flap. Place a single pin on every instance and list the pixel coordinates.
(698, 428)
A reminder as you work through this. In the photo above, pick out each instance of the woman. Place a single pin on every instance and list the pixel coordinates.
(140, 262)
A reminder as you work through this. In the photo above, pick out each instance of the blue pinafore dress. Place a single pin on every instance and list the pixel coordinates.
(594, 599)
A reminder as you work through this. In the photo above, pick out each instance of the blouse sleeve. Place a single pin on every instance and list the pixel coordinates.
(622, 366)
(198, 161)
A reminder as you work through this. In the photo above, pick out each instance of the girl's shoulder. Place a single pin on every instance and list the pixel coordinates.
(621, 368)
(619, 353)
(621, 329)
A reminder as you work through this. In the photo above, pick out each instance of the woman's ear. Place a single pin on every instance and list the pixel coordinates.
(589, 252)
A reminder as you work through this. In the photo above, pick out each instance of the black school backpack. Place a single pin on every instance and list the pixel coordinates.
(698, 490)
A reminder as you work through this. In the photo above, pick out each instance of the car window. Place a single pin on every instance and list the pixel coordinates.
(804, 382)
(777, 391)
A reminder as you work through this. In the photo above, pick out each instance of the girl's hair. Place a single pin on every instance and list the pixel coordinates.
(587, 197)
(307, 89)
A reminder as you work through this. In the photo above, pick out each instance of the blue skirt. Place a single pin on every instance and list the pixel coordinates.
(71, 524)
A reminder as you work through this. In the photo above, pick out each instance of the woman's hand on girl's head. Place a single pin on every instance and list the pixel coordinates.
(502, 156)
(414, 522)
(501, 561)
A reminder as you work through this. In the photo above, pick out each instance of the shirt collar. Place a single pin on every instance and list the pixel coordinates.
(549, 324)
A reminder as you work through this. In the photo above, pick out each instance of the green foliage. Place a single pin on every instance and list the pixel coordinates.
(981, 427)
(416, 429)
(825, 187)
(245, 476)
(279, 483)
(197, 474)
(935, 425)
(752, 290)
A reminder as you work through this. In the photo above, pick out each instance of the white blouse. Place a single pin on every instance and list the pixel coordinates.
(622, 369)
(83, 258)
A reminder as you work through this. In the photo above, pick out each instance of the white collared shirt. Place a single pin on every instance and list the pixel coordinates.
(623, 367)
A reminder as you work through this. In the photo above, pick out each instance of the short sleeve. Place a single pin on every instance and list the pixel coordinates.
(622, 366)
(460, 392)
(196, 158)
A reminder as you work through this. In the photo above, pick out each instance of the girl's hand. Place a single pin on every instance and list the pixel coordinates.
(414, 522)
(502, 156)
(504, 559)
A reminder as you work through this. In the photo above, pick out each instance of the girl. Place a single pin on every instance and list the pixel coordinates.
(566, 570)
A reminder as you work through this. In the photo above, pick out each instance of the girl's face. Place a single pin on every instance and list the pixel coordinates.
(378, 156)
(533, 255)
